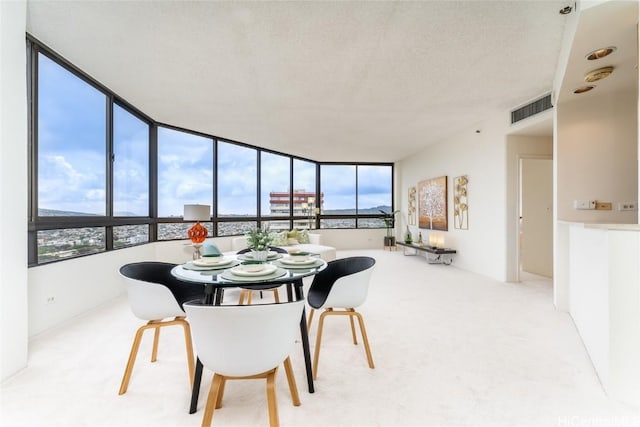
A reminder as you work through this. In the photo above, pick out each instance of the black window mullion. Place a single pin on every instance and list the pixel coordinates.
(214, 206)
(110, 158)
(153, 182)
(357, 209)
(291, 190)
(259, 183)
(318, 198)
(32, 111)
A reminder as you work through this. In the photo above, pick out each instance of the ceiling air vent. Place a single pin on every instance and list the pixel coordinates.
(531, 109)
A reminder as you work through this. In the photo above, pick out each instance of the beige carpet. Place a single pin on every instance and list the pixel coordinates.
(451, 348)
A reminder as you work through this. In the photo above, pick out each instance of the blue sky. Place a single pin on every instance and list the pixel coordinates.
(131, 164)
(71, 135)
(72, 159)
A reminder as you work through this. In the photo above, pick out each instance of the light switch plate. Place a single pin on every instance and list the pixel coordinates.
(584, 204)
(628, 206)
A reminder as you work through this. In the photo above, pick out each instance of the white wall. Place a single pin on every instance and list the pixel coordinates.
(624, 316)
(597, 156)
(13, 187)
(353, 239)
(76, 286)
(589, 293)
(480, 156)
(81, 284)
(605, 302)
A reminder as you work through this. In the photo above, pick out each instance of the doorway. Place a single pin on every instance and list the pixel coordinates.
(535, 236)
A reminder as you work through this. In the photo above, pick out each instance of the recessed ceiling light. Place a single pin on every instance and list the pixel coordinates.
(599, 74)
(583, 89)
(600, 53)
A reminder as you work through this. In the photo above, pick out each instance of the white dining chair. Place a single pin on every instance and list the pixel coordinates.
(253, 342)
(157, 297)
(338, 290)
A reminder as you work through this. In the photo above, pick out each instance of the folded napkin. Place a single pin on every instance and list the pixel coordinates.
(210, 249)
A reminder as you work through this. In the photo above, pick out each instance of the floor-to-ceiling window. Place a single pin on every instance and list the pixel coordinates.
(71, 162)
(375, 194)
(130, 176)
(306, 202)
(185, 176)
(237, 188)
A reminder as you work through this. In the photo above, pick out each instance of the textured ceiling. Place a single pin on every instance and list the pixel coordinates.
(329, 81)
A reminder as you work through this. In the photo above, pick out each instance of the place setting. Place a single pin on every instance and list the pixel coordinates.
(249, 256)
(249, 271)
(211, 259)
(299, 260)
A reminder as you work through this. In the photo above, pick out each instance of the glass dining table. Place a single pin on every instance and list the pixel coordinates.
(236, 271)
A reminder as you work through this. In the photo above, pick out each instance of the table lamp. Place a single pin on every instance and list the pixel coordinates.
(198, 233)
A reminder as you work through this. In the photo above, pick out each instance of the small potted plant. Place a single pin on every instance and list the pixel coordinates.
(259, 239)
(389, 223)
(408, 238)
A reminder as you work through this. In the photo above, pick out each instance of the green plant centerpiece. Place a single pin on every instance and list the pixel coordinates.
(259, 240)
(389, 219)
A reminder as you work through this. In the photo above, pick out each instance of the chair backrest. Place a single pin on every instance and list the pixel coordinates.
(344, 283)
(150, 287)
(242, 340)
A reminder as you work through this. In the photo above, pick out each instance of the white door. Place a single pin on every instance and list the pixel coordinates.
(536, 255)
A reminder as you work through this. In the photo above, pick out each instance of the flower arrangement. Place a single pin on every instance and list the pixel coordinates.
(259, 239)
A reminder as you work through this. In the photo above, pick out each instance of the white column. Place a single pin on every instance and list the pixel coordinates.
(13, 188)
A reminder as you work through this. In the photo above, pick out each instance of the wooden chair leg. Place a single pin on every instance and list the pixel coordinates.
(276, 296)
(271, 399)
(156, 325)
(291, 379)
(243, 293)
(249, 297)
(132, 360)
(211, 401)
(310, 319)
(316, 353)
(189, 346)
(365, 340)
(223, 382)
(353, 329)
(154, 350)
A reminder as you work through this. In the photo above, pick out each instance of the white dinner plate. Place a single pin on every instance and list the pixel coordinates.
(293, 260)
(212, 261)
(270, 255)
(266, 270)
(298, 265)
(191, 266)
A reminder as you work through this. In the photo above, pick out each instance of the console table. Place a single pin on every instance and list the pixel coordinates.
(434, 255)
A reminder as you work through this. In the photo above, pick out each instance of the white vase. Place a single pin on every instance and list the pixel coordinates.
(259, 255)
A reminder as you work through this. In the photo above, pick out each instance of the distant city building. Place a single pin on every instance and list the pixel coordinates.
(304, 205)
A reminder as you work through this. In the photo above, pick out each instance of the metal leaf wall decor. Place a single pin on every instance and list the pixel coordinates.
(460, 204)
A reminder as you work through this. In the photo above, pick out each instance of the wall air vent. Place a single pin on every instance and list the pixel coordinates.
(531, 109)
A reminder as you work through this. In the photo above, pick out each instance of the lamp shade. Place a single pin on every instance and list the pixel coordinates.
(197, 212)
